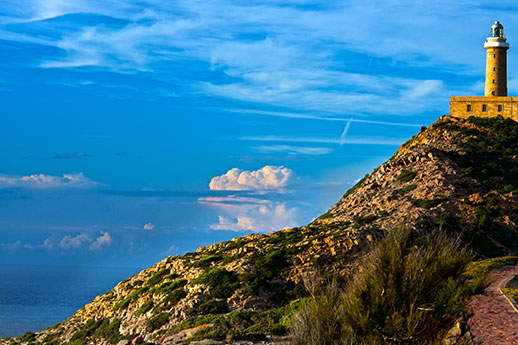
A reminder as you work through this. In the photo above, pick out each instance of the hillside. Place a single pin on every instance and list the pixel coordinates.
(459, 175)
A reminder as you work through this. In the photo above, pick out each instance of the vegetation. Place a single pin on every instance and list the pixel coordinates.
(406, 176)
(157, 277)
(405, 190)
(213, 307)
(411, 291)
(157, 321)
(222, 282)
(145, 307)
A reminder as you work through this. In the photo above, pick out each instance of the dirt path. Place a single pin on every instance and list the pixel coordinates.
(495, 322)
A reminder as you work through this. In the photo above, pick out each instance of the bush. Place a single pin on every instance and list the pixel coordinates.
(411, 291)
(213, 307)
(405, 190)
(157, 277)
(157, 322)
(222, 282)
(206, 261)
(322, 320)
(145, 307)
(406, 176)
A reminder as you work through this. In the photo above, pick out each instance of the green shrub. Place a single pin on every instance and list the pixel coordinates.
(27, 337)
(365, 220)
(411, 291)
(513, 293)
(406, 176)
(426, 203)
(157, 322)
(206, 261)
(169, 287)
(213, 307)
(405, 190)
(145, 307)
(222, 282)
(270, 264)
(158, 276)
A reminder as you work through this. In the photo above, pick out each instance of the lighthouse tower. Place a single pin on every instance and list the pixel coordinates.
(495, 102)
(496, 62)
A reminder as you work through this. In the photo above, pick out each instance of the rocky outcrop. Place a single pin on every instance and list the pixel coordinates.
(460, 175)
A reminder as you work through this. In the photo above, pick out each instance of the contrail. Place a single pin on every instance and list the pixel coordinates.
(344, 133)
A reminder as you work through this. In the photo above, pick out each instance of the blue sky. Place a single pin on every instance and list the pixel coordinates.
(133, 130)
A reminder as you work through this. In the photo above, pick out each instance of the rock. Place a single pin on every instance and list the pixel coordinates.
(138, 340)
(123, 342)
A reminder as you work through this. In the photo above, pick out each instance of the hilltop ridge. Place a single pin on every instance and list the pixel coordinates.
(460, 175)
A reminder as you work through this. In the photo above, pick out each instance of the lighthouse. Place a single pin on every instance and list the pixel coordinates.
(496, 62)
(495, 102)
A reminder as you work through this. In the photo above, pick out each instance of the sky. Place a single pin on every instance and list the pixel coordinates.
(135, 130)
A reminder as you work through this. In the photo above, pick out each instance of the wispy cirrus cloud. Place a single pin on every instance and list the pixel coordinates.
(306, 56)
(293, 150)
(320, 140)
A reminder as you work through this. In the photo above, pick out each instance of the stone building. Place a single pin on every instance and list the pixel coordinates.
(495, 101)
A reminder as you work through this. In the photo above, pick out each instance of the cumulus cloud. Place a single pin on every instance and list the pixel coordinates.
(42, 181)
(73, 242)
(149, 226)
(269, 217)
(101, 242)
(268, 177)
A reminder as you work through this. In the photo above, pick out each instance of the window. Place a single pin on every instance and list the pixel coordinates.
(494, 69)
(499, 108)
(493, 81)
(494, 55)
(468, 108)
(484, 107)
(493, 93)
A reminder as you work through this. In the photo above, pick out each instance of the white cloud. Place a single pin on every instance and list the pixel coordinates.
(268, 177)
(276, 53)
(10, 246)
(101, 242)
(269, 217)
(149, 226)
(42, 181)
(72, 242)
(293, 150)
(341, 141)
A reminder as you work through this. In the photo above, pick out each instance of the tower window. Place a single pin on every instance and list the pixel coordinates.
(499, 108)
(484, 107)
(468, 108)
(493, 93)
(494, 55)
(494, 69)
(493, 81)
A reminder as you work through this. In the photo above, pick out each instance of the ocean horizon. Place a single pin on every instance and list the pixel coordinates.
(35, 297)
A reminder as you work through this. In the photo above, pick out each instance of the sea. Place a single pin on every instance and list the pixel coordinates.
(33, 298)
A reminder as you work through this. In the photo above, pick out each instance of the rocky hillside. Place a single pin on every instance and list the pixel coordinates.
(458, 175)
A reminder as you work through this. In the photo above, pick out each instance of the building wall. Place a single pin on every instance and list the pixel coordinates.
(496, 72)
(459, 107)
